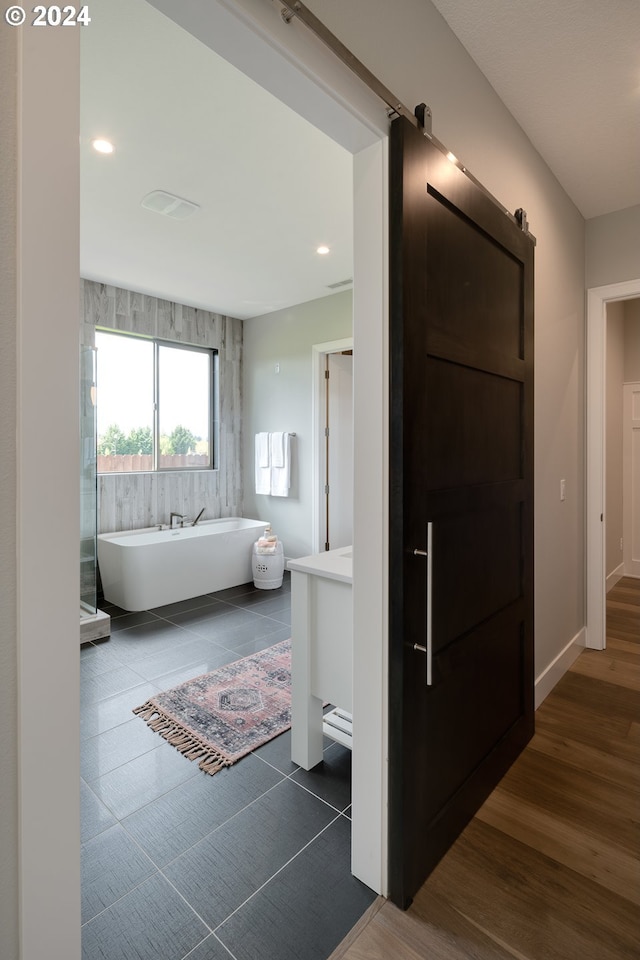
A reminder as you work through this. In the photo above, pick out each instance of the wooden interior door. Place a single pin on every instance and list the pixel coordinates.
(461, 511)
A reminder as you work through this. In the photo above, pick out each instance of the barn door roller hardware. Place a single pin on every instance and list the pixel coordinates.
(297, 9)
(421, 117)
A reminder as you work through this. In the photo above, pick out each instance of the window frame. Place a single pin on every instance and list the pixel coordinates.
(213, 405)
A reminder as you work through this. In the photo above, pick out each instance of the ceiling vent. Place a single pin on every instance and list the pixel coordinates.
(169, 205)
(340, 283)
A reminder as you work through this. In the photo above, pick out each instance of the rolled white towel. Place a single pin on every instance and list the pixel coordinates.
(267, 543)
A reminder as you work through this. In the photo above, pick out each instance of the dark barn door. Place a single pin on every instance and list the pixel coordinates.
(461, 527)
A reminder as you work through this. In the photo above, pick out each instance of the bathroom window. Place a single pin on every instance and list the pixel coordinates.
(155, 404)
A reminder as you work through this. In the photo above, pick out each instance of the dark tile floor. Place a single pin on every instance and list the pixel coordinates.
(252, 863)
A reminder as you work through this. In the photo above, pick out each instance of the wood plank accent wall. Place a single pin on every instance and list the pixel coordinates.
(131, 501)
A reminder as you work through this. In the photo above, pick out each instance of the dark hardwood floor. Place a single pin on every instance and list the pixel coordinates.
(549, 868)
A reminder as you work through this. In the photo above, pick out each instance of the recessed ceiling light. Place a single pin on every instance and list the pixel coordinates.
(323, 251)
(452, 157)
(102, 146)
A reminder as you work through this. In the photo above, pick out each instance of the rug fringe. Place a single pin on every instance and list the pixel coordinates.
(191, 746)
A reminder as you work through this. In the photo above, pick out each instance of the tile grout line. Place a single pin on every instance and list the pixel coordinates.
(273, 766)
(189, 633)
(166, 793)
(137, 885)
(201, 636)
(198, 945)
(160, 869)
(232, 606)
(278, 871)
(212, 598)
(289, 776)
(195, 636)
(283, 777)
(250, 897)
(182, 897)
(143, 680)
(308, 790)
(158, 873)
(206, 835)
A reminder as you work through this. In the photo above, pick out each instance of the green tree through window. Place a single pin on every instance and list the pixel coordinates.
(140, 441)
(113, 442)
(181, 440)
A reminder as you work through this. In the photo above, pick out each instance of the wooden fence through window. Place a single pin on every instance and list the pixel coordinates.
(136, 462)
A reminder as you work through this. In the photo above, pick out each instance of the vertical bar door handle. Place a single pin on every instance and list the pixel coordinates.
(429, 644)
(428, 648)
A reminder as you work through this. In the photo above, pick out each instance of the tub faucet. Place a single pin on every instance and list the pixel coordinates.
(175, 516)
(197, 518)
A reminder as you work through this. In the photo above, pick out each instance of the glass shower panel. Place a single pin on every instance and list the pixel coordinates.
(88, 483)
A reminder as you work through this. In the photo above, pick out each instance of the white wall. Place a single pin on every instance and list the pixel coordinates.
(613, 455)
(623, 366)
(632, 340)
(8, 606)
(613, 247)
(283, 401)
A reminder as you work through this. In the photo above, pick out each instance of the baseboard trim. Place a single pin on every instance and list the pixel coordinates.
(559, 666)
(614, 576)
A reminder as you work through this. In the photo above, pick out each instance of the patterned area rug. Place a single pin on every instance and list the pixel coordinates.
(219, 717)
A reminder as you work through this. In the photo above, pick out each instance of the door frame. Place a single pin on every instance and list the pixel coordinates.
(47, 517)
(627, 477)
(328, 95)
(319, 352)
(597, 300)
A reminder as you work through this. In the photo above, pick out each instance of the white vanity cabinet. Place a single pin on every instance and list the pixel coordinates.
(321, 652)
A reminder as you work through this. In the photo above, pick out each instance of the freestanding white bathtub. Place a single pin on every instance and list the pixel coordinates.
(141, 569)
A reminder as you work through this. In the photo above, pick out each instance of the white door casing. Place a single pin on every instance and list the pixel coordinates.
(631, 480)
(319, 356)
(340, 446)
(597, 299)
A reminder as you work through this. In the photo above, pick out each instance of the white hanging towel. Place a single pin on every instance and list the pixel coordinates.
(263, 464)
(262, 449)
(280, 448)
(276, 441)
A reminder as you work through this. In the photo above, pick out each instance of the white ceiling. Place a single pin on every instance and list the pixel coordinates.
(271, 187)
(569, 71)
